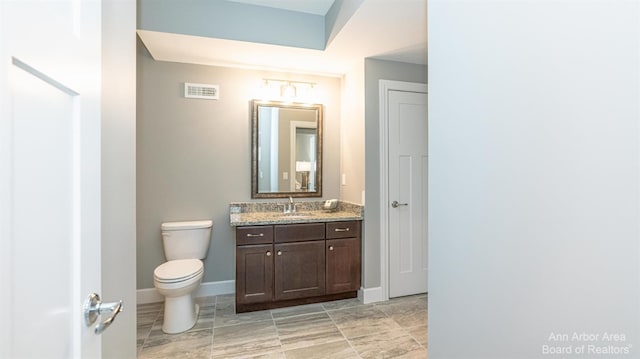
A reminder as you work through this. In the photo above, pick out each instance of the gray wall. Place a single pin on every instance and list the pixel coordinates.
(118, 174)
(376, 70)
(193, 156)
(534, 131)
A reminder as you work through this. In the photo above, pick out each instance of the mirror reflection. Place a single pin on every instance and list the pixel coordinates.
(287, 150)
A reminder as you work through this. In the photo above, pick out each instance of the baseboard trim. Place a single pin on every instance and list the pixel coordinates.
(370, 295)
(216, 288)
(151, 295)
(148, 295)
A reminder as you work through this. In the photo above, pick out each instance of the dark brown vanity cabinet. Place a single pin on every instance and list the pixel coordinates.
(300, 265)
(291, 264)
(254, 274)
(343, 257)
(299, 270)
(254, 264)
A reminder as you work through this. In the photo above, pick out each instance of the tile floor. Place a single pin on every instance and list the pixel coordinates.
(339, 329)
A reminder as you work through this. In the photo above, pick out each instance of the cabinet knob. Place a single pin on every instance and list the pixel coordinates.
(268, 253)
(279, 253)
(342, 229)
(330, 248)
(255, 235)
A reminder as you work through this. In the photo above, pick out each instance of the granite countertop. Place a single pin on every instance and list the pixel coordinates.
(250, 214)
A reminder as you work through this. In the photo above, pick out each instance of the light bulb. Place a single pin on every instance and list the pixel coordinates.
(288, 91)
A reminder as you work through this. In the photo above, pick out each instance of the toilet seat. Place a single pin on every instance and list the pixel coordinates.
(178, 270)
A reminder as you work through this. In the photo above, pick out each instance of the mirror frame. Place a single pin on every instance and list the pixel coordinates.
(254, 149)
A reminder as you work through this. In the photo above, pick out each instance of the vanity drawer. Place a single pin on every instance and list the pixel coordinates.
(343, 229)
(254, 235)
(299, 232)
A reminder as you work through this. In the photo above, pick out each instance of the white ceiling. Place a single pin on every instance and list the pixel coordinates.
(316, 7)
(393, 30)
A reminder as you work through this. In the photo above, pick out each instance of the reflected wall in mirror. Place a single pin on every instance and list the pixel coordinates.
(286, 150)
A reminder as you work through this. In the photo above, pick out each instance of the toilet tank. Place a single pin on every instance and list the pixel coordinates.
(186, 240)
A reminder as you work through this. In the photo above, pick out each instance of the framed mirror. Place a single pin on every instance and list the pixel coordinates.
(286, 156)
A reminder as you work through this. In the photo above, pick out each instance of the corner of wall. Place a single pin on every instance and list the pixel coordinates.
(352, 155)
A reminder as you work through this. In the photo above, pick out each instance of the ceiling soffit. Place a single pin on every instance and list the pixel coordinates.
(233, 21)
(316, 7)
(389, 30)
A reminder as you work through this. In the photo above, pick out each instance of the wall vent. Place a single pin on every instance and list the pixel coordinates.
(209, 92)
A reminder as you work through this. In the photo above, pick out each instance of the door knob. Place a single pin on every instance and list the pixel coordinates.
(93, 307)
(395, 204)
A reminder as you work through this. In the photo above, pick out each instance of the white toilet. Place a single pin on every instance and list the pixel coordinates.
(185, 244)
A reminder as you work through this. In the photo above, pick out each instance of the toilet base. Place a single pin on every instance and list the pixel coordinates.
(180, 314)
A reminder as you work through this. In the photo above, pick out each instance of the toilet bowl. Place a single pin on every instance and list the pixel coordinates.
(185, 244)
(176, 280)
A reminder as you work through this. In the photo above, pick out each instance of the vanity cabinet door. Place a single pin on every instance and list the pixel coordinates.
(343, 265)
(299, 270)
(254, 273)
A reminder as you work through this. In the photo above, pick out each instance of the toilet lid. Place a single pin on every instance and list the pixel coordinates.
(178, 270)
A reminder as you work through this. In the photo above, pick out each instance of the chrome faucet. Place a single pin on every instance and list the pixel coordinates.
(290, 207)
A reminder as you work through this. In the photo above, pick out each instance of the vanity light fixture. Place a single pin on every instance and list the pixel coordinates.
(287, 90)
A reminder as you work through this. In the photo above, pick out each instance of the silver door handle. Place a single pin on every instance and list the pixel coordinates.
(395, 204)
(94, 307)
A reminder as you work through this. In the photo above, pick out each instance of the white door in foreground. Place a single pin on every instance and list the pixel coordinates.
(49, 176)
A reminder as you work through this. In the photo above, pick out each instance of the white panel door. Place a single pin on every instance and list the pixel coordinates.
(407, 193)
(49, 176)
